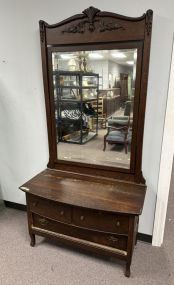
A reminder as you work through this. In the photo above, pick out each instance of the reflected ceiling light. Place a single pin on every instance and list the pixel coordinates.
(130, 62)
(118, 55)
(95, 55)
(66, 56)
(135, 55)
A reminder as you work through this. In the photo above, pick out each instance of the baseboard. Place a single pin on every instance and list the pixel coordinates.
(144, 237)
(15, 205)
(141, 237)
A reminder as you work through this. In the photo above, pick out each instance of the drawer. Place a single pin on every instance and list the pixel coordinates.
(111, 240)
(99, 220)
(50, 209)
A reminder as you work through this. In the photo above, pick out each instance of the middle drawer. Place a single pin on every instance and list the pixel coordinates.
(99, 220)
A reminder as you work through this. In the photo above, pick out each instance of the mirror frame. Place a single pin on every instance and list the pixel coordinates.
(96, 30)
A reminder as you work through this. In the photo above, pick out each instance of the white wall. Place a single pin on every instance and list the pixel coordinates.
(23, 134)
(166, 164)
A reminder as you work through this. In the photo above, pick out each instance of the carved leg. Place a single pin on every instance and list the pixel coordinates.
(33, 240)
(125, 146)
(127, 273)
(104, 144)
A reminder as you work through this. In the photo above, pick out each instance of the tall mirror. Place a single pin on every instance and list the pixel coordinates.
(95, 70)
(94, 105)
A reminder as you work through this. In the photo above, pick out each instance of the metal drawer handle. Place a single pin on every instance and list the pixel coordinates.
(43, 221)
(82, 218)
(113, 239)
(62, 213)
(118, 224)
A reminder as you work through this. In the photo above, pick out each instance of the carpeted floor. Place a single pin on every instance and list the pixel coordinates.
(51, 264)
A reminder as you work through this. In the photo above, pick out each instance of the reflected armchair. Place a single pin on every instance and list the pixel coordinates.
(118, 135)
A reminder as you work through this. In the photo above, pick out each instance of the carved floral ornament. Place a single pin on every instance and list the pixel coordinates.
(90, 23)
(93, 20)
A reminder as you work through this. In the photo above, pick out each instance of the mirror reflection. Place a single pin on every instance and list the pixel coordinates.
(94, 100)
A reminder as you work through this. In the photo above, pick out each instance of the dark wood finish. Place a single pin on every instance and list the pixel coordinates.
(42, 206)
(100, 221)
(140, 236)
(93, 207)
(94, 214)
(107, 239)
(94, 29)
(99, 194)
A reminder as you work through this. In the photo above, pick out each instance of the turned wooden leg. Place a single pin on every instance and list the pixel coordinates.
(104, 144)
(33, 240)
(127, 273)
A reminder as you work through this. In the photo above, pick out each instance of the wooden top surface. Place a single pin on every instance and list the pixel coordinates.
(68, 188)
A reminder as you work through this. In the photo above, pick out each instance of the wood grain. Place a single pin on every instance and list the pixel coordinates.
(117, 197)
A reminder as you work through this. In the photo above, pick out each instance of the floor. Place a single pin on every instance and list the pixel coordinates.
(51, 264)
(92, 152)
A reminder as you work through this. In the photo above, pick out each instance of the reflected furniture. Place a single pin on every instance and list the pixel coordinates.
(111, 105)
(118, 135)
(88, 205)
(74, 91)
(121, 120)
(107, 106)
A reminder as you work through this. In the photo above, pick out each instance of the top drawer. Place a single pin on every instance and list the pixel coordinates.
(50, 209)
(99, 220)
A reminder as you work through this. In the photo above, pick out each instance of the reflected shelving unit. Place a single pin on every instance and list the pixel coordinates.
(74, 93)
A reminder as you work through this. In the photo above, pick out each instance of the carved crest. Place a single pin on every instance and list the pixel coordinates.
(89, 23)
(91, 13)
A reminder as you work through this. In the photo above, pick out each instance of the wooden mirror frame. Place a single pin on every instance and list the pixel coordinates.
(99, 30)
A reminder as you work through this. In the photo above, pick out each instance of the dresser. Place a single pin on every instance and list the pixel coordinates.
(95, 216)
(89, 198)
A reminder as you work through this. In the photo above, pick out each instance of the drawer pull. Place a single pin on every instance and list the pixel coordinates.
(61, 213)
(113, 239)
(118, 224)
(82, 218)
(43, 221)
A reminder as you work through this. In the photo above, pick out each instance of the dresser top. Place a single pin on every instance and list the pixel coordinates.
(100, 194)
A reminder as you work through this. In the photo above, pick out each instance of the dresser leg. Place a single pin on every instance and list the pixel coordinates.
(33, 240)
(127, 273)
(136, 239)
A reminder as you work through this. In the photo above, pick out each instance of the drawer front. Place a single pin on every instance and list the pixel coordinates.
(111, 240)
(50, 209)
(100, 221)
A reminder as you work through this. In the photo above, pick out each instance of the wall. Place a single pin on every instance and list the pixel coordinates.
(105, 67)
(23, 134)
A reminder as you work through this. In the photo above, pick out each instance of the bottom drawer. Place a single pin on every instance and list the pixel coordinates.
(111, 240)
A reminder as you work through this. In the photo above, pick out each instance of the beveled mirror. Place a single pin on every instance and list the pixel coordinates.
(95, 68)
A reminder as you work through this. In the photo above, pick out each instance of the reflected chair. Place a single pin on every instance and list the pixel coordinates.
(118, 135)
